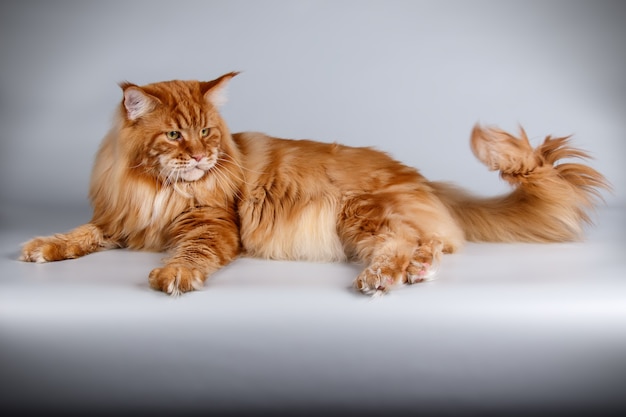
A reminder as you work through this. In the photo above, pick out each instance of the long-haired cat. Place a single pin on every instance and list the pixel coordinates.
(169, 176)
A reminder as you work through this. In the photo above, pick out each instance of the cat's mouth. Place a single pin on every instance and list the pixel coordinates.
(193, 171)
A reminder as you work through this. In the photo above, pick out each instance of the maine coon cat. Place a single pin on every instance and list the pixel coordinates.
(169, 176)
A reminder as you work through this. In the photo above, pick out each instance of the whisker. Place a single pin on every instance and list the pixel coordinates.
(235, 162)
(167, 175)
(222, 167)
(242, 180)
(177, 185)
(220, 161)
(223, 180)
(138, 165)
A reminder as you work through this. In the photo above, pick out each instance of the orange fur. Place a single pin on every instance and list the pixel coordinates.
(550, 201)
(169, 176)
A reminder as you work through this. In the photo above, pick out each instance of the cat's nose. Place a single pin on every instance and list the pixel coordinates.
(198, 156)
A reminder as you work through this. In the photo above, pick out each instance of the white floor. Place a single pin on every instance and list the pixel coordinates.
(537, 328)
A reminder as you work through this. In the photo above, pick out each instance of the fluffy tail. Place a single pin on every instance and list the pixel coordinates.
(551, 199)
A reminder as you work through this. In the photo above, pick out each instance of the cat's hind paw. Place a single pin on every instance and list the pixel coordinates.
(376, 280)
(176, 279)
(421, 271)
(369, 282)
(424, 265)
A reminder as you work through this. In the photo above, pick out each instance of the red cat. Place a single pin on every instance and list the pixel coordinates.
(169, 176)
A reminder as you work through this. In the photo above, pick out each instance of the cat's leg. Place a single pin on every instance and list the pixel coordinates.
(393, 264)
(399, 240)
(78, 242)
(387, 265)
(202, 241)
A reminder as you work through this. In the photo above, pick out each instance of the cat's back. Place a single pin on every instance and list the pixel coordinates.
(264, 152)
(321, 165)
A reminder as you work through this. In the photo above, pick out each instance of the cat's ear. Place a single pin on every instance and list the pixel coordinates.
(215, 91)
(137, 102)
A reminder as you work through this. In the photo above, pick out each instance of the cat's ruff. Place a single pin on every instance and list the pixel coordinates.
(169, 176)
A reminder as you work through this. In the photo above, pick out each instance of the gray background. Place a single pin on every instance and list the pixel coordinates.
(525, 328)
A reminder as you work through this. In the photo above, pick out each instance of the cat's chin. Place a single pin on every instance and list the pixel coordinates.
(193, 174)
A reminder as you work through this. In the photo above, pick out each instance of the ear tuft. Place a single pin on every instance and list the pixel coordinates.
(136, 101)
(215, 91)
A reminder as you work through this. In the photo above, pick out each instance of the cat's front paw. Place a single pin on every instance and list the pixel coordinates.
(46, 249)
(176, 279)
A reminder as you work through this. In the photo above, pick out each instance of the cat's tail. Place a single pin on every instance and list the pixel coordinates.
(551, 200)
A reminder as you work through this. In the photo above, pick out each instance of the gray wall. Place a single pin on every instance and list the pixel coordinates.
(409, 77)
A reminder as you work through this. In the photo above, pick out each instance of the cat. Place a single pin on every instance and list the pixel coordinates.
(169, 176)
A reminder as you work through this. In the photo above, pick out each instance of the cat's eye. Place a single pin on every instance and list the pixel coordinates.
(205, 132)
(173, 135)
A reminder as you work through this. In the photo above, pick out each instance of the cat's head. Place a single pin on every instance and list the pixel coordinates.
(172, 130)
